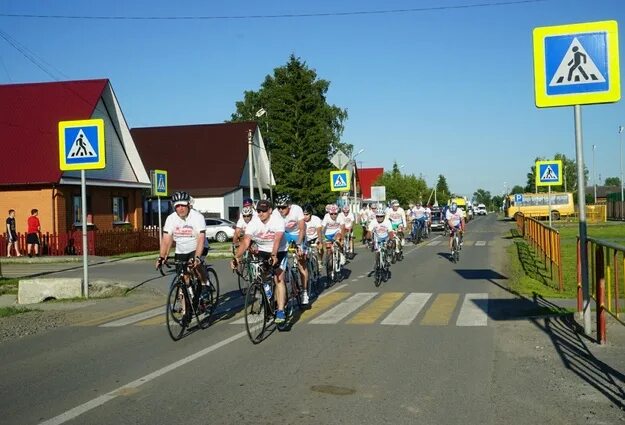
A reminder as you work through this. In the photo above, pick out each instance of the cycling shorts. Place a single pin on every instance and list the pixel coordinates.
(182, 259)
(395, 226)
(282, 259)
(330, 236)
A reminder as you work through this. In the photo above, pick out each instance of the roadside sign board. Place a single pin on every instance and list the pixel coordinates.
(378, 193)
(339, 160)
(81, 145)
(518, 198)
(340, 181)
(159, 183)
(576, 64)
(549, 173)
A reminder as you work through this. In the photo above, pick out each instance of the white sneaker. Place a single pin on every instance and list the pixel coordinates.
(305, 300)
(342, 259)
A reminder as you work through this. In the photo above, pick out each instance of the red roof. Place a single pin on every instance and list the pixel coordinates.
(366, 177)
(205, 160)
(29, 118)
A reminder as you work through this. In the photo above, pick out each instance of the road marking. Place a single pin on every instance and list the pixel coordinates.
(467, 243)
(130, 387)
(434, 243)
(113, 316)
(474, 310)
(409, 308)
(134, 318)
(156, 320)
(354, 280)
(440, 311)
(480, 243)
(373, 311)
(322, 304)
(342, 310)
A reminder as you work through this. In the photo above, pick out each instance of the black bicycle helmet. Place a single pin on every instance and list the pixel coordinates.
(283, 200)
(308, 209)
(181, 198)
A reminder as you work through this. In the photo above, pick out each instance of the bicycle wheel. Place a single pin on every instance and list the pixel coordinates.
(242, 277)
(296, 286)
(377, 276)
(329, 268)
(336, 260)
(256, 312)
(313, 275)
(456, 249)
(178, 310)
(211, 299)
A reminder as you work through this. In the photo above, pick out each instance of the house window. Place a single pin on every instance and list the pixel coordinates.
(120, 210)
(77, 210)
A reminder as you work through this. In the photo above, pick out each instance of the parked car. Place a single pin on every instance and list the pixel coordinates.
(437, 222)
(219, 229)
(481, 210)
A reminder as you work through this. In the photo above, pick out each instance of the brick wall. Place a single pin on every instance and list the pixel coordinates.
(22, 200)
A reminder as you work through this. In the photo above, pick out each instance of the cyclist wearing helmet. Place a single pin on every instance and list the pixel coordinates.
(397, 217)
(455, 220)
(313, 226)
(295, 232)
(332, 226)
(246, 216)
(348, 223)
(381, 229)
(187, 228)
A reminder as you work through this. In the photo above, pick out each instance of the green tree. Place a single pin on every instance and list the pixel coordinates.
(517, 189)
(304, 131)
(496, 202)
(482, 196)
(442, 190)
(404, 188)
(613, 181)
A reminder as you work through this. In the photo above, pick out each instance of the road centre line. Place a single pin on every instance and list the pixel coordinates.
(99, 401)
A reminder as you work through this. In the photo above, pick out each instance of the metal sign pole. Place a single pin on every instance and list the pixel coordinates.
(160, 227)
(549, 202)
(581, 202)
(85, 273)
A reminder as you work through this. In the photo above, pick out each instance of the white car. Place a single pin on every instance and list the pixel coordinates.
(481, 210)
(219, 229)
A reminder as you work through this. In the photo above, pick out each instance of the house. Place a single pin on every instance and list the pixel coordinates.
(30, 175)
(210, 161)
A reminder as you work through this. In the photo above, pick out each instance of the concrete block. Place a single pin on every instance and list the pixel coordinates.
(36, 290)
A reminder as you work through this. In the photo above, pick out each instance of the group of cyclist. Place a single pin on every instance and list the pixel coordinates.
(273, 230)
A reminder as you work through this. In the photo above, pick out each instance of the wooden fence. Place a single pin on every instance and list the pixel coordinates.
(101, 243)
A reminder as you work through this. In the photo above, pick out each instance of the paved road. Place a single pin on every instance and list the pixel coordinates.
(423, 348)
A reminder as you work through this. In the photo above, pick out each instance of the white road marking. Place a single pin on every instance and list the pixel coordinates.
(409, 308)
(134, 318)
(480, 243)
(99, 401)
(474, 310)
(434, 243)
(342, 310)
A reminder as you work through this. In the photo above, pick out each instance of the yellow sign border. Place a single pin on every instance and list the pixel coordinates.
(557, 162)
(155, 183)
(341, 189)
(101, 163)
(613, 94)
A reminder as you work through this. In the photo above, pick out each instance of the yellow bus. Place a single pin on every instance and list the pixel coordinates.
(537, 205)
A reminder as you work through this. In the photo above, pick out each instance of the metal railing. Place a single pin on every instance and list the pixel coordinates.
(544, 239)
(606, 265)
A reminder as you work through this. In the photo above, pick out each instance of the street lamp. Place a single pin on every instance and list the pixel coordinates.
(354, 163)
(594, 171)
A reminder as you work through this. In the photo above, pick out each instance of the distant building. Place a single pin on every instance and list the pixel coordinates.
(366, 178)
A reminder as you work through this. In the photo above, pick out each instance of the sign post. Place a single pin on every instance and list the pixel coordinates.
(576, 65)
(82, 147)
(159, 188)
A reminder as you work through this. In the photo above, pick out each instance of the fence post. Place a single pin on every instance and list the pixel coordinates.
(600, 295)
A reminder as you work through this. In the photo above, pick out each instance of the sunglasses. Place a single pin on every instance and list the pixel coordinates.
(247, 216)
(334, 213)
(282, 207)
(261, 210)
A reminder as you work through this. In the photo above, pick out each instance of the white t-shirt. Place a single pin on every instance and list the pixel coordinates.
(330, 226)
(454, 217)
(420, 212)
(311, 227)
(265, 233)
(397, 217)
(185, 231)
(291, 220)
(348, 220)
(380, 230)
(241, 224)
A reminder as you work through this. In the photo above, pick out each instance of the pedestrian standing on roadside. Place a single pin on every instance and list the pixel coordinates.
(12, 234)
(32, 234)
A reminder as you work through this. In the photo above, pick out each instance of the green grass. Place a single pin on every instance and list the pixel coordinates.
(530, 274)
(8, 286)
(12, 311)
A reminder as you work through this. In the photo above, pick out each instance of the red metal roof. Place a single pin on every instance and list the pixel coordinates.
(205, 160)
(366, 177)
(29, 118)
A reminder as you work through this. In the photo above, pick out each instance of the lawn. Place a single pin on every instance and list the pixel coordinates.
(8, 286)
(529, 274)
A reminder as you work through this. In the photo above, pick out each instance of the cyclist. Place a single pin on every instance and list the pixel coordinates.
(332, 227)
(348, 223)
(428, 217)
(420, 216)
(294, 232)
(267, 231)
(397, 217)
(381, 229)
(455, 220)
(246, 216)
(187, 228)
(313, 231)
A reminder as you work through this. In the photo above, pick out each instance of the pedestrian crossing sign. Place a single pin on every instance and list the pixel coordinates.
(81, 145)
(576, 64)
(340, 181)
(549, 173)
(159, 183)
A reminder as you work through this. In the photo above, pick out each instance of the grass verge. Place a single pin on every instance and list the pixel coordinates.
(12, 311)
(8, 286)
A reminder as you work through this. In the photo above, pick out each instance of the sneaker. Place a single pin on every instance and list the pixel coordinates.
(280, 316)
(342, 259)
(305, 299)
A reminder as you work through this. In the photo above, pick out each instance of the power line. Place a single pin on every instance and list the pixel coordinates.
(276, 16)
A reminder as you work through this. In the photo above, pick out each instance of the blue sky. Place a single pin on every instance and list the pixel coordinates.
(446, 91)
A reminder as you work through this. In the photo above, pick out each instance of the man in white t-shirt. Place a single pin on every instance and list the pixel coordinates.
(348, 225)
(187, 228)
(267, 231)
(332, 227)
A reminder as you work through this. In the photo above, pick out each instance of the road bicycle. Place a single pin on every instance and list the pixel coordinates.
(187, 299)
(455, 245)
(260, 300)
(347, 243)
(314, 276)
(292, 276)
(381, 269)
(418, 231)
(332, 261)
(396, 254)
(243, 271)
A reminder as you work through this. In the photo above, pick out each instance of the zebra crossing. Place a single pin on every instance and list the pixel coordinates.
(464, 243)
(360, 308)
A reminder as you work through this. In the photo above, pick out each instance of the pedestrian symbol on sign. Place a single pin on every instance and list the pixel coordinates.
(577, 67)
(549, 174)
(339, 181)
(82, 147)
(162, 187)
